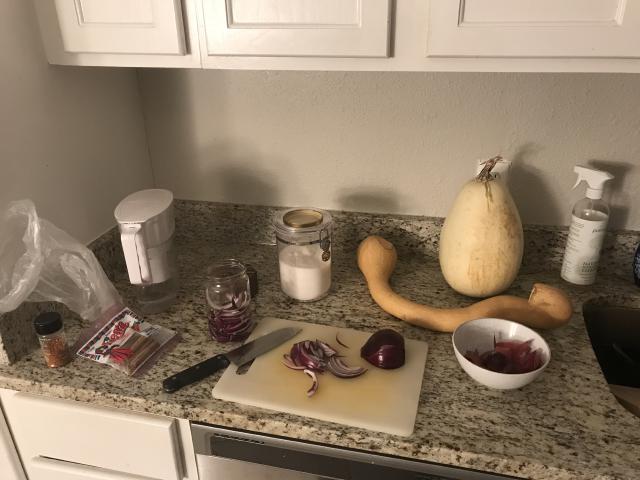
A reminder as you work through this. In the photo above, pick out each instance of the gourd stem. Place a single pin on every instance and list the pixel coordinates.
(485, 173)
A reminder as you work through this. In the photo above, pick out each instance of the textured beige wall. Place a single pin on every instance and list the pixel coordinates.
(391, 142)
(71, 139)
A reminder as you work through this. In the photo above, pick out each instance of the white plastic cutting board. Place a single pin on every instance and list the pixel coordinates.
(380, 400)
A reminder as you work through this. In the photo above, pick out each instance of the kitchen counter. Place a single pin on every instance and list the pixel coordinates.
(565, 425)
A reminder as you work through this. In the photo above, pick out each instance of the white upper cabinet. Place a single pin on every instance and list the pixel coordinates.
(138, 33)
(121, 26)
(534, 28)
(298, 28)
(375, 35)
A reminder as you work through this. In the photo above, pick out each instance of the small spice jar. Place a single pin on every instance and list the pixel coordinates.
(228, 294)
(52, 339)
(304, 252)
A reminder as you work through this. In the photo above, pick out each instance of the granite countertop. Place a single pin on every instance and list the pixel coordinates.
(565, 425)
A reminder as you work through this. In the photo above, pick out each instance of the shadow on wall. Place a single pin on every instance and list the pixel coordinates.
(615, 195)
(368, 199)
(530, 190)
(234, 181)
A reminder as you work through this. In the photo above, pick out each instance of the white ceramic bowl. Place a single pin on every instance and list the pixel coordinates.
(478, 334)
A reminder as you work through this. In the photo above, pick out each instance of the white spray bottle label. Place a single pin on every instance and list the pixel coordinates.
(580, 263)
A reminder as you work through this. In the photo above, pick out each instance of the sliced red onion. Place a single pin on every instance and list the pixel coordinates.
(342, 370)
(510, 356)
(302, 355)
(339, 342)
(326, 349)
(384, 349)
(316, 356)
(314, 384)
(288, 362)
(230, 325)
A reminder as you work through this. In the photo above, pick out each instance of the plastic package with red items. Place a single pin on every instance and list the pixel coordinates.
(125, 342)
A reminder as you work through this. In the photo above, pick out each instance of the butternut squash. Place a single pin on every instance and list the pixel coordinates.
(481, 241)
(547, 306)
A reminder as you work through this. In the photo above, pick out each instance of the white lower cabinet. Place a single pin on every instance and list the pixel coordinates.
(42, 468)
(66, 440)
(10, 466)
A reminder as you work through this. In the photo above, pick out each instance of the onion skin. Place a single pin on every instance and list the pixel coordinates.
(547, 306)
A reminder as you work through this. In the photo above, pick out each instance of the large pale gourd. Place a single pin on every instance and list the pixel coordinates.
(481, 241)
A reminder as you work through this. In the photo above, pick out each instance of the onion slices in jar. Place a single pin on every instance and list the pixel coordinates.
(316, 356)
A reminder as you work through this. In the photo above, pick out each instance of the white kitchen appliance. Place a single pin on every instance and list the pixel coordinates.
(223, 453)
(146, 222)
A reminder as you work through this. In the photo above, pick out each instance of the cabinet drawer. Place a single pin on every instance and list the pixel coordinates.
(47, 469)
(131, 443)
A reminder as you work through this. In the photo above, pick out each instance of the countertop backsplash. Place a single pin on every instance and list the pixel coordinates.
(544, 245)
(250, 224)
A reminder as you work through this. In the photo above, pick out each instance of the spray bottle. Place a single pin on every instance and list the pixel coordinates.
(588, 227)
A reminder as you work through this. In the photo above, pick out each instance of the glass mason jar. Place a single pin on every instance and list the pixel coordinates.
(229, 298)
(303, 236)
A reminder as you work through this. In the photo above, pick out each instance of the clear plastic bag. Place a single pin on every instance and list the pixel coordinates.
(40, 262)
(125, 342)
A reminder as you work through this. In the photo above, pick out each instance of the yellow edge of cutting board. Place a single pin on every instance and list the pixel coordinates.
(380, 400)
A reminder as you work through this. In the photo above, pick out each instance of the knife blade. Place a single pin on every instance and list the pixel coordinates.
(239, 356)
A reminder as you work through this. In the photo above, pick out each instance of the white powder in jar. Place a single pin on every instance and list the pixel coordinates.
(303, 274)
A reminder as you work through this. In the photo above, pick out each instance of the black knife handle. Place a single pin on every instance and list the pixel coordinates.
(195, 373)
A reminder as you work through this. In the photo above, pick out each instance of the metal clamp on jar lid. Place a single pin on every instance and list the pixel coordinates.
(304, 251)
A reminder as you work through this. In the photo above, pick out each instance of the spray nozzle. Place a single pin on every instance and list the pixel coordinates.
(595, 180)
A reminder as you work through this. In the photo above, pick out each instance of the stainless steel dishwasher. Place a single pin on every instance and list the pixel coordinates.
(228, 454)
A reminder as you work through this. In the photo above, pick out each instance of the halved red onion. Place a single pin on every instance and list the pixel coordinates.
(384, 349)
(314, 384)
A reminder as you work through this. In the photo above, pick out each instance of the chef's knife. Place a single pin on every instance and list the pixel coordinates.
(239, 356)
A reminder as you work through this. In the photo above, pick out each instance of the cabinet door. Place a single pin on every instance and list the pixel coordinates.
(307, 28)
(10, 466)
(121, 26)
(132, 445)
(534, 28)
